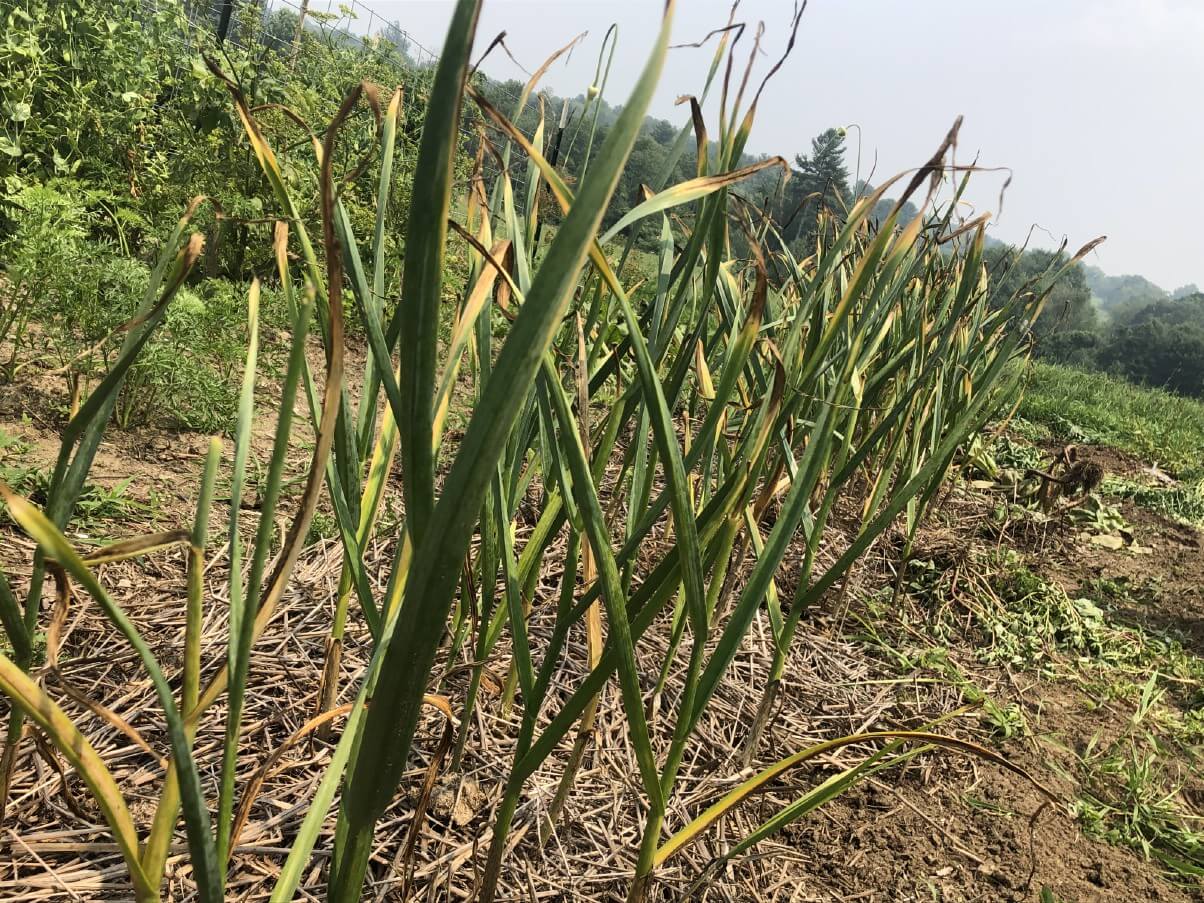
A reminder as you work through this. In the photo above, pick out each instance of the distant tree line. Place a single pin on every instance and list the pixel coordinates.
(1124, 325)
(819, 181)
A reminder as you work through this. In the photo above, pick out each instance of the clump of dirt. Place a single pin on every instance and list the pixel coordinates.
(458, 800)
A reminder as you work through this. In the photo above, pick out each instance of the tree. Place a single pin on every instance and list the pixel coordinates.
(1186, 310)
(1068, 306)
(663, 132)
(1158, 353)
(1074, 348)
(1122, 296)
(821, 182)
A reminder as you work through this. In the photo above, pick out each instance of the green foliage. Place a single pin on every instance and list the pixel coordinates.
(1132, 798)
(99, 509)
(46, 230)
(1161, 344)
(821, 182)
(167, 133)
(1120, 296)
(1072, 348)
(1149, 337)
(92, 175)
(1098, 517)
(1080, 406)
(324, 526)
(1068, 307)
(1183, 501)
(1028, 431)
(79, 89)
(993, 458)
(1005, 720)
(1163, 347)
(187, 373)
(1029, 621)
(1016, 455)
(78, 287)
(83, 291)
(1033, 618)
(143, 151)
(1182, 311)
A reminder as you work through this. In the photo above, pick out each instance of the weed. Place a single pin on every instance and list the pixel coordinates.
(1028, 430)
(47, 229)
(1032, 618)
(189, 373)
(1006, 721)
(1131, 797)
(1117, 590)
(324, 526)
(1030, 622)
(11, 445)
(1182, 502)
(1098, 517)
(98, 509)
(1002, 459)
(1017, 455)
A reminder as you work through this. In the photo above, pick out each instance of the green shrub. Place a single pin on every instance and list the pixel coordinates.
(81, 291)
(46, 230)
(186, 373)
(1074, 348)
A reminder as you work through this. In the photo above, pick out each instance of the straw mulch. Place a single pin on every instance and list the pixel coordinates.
(56, 847)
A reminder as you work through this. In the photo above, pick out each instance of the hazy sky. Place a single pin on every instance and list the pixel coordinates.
(1095, 105)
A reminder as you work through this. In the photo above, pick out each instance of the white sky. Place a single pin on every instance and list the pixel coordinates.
(1095, 105)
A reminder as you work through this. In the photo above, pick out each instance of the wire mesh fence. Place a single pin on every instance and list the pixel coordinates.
(302, 30)
(286, 26)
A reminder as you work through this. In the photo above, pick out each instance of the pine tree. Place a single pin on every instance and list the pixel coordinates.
(821, 182)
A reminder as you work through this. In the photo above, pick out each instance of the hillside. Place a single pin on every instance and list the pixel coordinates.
(1128, 294)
